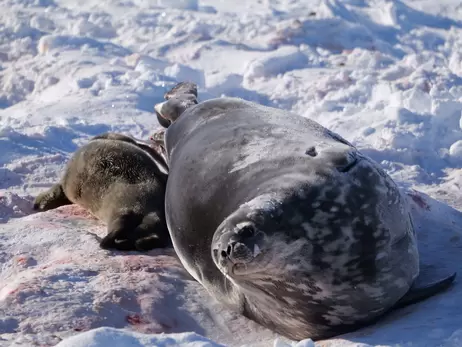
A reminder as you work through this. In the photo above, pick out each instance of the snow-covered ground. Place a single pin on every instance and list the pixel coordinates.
(385, 74)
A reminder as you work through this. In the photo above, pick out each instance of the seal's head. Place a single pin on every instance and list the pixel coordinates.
(251, 241)
(268, 264)
(317, 257)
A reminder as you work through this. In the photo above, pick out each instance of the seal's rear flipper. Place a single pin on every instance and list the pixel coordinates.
(179, 98)
(182, 88)
(424, 287)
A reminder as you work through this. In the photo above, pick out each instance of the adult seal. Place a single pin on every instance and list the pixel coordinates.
(285, 221)
(121, 181)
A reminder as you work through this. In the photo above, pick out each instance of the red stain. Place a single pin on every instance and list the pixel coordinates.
(21, 260)
(18, 288)
(14, 291)
(75, 211)
(22, 291)
(419, 200)
(134, 319)
(65, 260)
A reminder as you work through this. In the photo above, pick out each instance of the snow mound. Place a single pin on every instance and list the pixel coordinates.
(184, 73)
(278, 62)
(12, 205)
(50, 43)
(103, 337)
(224, 84)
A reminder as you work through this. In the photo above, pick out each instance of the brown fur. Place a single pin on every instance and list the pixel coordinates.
(120, 181)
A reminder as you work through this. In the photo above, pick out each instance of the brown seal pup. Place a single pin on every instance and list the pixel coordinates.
(121, 181)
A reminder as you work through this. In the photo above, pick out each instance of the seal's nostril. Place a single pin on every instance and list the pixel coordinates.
(224, 254)
(312, 152)
(229, 249)
(247, 231)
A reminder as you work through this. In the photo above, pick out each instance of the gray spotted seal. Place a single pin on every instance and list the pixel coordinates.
(285, 221)
(122, 182)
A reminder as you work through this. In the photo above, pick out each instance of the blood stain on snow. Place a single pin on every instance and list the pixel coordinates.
(75, 211)
(135, 319)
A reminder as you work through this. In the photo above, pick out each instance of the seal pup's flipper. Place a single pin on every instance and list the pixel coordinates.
(120, 231)
(179, 98)
(51, 199)
(425, 286)
(133, 232)
(152, 233)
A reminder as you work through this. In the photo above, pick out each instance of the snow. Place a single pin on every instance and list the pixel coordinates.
(385, 74)
(109, 336)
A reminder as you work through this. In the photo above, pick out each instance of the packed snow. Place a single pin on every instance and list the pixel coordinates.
(384, 74)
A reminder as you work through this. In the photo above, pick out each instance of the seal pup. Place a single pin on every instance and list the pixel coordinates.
(122, 182)
(285, 221)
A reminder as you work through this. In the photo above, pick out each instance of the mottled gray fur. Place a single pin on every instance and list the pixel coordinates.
(285, 221)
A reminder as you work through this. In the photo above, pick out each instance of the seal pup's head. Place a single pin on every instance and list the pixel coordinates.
(179, 98)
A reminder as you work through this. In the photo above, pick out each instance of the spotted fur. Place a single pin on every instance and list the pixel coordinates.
(284, 221)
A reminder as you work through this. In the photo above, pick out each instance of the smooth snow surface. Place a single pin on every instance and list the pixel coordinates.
(385, 74)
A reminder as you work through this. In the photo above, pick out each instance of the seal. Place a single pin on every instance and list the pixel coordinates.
(122, 182)
(285, 221)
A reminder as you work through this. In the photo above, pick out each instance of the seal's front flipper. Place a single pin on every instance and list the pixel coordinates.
(425, 286)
